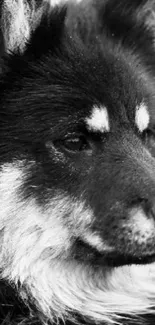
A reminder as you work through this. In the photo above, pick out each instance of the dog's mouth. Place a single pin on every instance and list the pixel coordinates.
(116, 259)
(83, 252)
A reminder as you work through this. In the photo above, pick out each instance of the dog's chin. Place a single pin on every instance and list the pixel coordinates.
(83, 252)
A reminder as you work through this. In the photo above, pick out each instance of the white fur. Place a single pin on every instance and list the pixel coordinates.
(96, 241)
(60, 286)
(142, 117)
(16, 24)
(59, 2)
(99, 120)
(36, 231)
(141, 226)
(19, 19)
(36, 251)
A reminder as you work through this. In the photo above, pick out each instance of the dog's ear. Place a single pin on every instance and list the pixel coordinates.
(48, 34)
(16, 24)
(30, 25)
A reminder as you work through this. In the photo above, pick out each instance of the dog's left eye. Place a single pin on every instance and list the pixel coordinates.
(73, 144)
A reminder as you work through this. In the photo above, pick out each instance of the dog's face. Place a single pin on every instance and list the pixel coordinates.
(77, 179)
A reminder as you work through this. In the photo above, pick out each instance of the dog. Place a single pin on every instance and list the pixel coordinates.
(77, 162)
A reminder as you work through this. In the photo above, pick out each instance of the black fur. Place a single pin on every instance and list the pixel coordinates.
(97, 53)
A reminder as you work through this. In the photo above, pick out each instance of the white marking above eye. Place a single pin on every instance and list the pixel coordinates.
(142, 117)
(99, 120)
(60, 2)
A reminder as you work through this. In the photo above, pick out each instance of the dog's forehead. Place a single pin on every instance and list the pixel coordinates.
(101, 119)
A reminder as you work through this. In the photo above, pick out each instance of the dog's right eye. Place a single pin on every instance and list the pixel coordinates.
(148, 137)
(148, 134)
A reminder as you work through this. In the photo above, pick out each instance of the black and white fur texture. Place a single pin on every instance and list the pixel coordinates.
(77, 162)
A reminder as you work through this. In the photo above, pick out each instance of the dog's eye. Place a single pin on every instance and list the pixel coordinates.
(73, 144)
(148, 137)
(76, 144)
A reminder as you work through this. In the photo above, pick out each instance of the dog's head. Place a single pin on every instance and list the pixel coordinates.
(77, 148)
